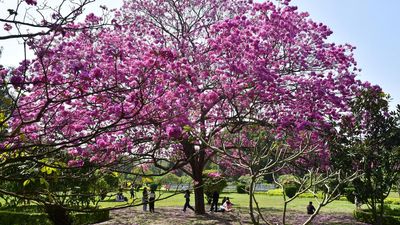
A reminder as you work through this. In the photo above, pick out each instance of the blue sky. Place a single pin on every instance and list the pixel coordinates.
(373, 27)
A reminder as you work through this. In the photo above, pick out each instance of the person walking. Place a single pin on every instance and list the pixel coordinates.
(145, 199)
(187, 201)
(214, 203)
(132, 191)
(152, 198)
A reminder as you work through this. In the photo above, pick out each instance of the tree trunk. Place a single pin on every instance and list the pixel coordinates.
(199, 207)
(58, 215)
(197, 162)
(254, 219)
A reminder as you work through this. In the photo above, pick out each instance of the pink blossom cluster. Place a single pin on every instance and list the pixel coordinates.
(214, 174)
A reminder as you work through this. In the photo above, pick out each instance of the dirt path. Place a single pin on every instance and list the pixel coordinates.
(175, 216)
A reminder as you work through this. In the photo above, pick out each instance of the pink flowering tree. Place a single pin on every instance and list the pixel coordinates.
(170, 78)
(238, 63)
(25, 19)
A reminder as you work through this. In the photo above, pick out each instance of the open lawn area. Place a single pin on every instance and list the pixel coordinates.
(241, 201)
(169, 211)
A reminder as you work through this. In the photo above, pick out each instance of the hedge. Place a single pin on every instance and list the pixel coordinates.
(90, 217)
(393, 201)
(29, 218)
(367, 217)
(279, 192)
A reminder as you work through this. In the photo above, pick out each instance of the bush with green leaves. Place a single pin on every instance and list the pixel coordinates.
(350, 194)
(243, 184)
(153, 186)
(242, 188)
(366, 216)
(290, 184)
(35, 215)
(213, 181)
(290, 190)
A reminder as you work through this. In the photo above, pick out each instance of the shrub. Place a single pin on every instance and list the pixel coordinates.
(349, 192)
(290, 190)
(21, 218)
(367, 217)
(275, 192)
(90, 217)
(213, 181)
(33, 216)
(243, 184)
(153, 186)
(241, 188)
(392, 201)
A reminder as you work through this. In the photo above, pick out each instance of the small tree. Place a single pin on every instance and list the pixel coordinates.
(372, 146)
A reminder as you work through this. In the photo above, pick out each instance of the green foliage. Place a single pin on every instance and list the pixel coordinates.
(212, 183)
(369, 143)
(153, 186)
(279, 192)
(90, 217)
(275, 192)
(290, 184)
(291, 190)
(392, 201)
(17, 217)
(21, 218)
(245, 179)
(350, 196)
(168, 178)
(243, 184)
(367, 216)
(242, 188)
(287, 179)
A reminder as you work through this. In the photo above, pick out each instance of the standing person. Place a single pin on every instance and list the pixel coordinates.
(145, 199)
(310, 208)
(152, 198)
(187, 201)
(132, 191)
(214, 203)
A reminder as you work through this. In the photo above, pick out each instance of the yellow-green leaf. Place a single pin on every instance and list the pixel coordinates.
(26, 182)
(115, 174)
(187, 128)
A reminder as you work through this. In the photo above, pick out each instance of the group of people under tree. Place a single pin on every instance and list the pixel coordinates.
(226, 204)
(148, 198)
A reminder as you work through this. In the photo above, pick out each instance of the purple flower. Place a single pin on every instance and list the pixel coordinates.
(31, 2)
(7, 27)
(17, 80)
(174, 131)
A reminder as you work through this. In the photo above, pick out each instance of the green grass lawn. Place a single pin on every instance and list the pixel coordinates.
(241, 201)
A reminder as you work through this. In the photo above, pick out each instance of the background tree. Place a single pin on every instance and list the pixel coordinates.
(371, 144)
